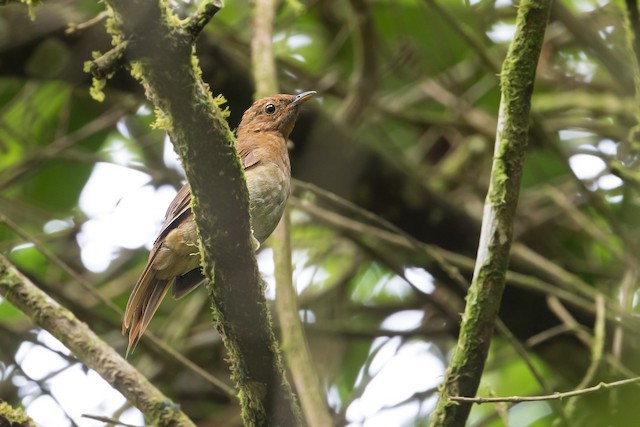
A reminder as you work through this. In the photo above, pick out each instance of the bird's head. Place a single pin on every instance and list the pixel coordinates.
(274, 113)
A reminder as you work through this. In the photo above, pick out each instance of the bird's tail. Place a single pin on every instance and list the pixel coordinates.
(143, 303)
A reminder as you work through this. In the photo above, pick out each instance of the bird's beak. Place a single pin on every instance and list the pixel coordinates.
(303, 97)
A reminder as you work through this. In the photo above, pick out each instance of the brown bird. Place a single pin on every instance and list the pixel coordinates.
(174, 259)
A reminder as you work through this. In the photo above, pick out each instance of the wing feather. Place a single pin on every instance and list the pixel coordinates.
(149, 290)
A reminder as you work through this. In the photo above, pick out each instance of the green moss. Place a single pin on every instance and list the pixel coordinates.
(136, 70)
(14, 415)
(219, 101)
(172, 20)
(195, 63)
(498, 191)
(112, 28)
(97, 88)
(162, 121)
(59, 311)
(163, 411)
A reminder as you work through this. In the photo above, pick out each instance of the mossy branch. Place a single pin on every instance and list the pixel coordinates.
(102, 67)
(484, 296)
(88, 347)
(166, 67)
(196, 22)
(105, 65)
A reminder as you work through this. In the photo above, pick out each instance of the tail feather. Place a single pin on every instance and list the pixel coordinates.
(145, 299)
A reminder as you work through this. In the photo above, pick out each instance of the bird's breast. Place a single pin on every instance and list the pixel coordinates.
(269, 186)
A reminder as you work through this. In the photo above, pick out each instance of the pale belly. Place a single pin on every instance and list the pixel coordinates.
(269, 188)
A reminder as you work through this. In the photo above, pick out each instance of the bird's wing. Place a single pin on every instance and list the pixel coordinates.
(178, 210)
(149, 290)
(248, 156)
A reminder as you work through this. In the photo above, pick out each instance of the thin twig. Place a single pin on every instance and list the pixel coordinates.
(18, 172)
(431, 255)
(588, 225)
(582, 333)
(522, 352)
(557, 395)
(626, 291)
(597, 350)
(294, 342)
(473, 40)
(108, 63)
(587, 36)
(365, 69)
(76, 28)
(107, 420)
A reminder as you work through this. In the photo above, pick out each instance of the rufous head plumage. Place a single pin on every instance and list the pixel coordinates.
(276, 113)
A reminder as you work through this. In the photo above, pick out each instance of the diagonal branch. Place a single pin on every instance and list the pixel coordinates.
(164, 64)
(88, 347)
(483, 300)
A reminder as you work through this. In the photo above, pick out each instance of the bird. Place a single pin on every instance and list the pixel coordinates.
(261, 143)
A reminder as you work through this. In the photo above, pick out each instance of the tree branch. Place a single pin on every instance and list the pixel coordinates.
(483, 300)
(105, 65)
(262, 59)
(161, 51)
(294, 343)
(559, 396)
(88, 347)
(204, 14)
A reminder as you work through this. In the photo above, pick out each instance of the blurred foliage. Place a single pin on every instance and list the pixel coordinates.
(404, 130)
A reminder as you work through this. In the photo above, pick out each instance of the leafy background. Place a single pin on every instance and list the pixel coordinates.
(403, 134)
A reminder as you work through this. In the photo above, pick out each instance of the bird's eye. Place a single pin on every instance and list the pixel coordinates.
(270, 109)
